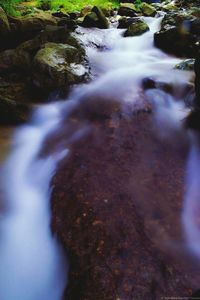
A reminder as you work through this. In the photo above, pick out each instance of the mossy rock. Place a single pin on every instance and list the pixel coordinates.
(128, 10)
(86, 10)
(179, 34)
(137, 28)
(95, 18)
(125, 22)
(170, 7)
(33, 23)
(148, 10)
(55, 66)
(54, 34)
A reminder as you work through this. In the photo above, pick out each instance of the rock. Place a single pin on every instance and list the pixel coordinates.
(68, 23)
(95, 18)
(128, 10)
(55, 34)
(193, 120)
(90, 20)
(60, 14)
(170, 7)
(102, 18)
(74, 15)
(197, 81)
(137, 28)
(14, 60)
(86, 10)
(115, 229)
(11, 112)
(125, 22)
(179, 35)
(185, 65)
(4, 23)
(25, 28)
(148, 10)
(34, 23)
(57, 66)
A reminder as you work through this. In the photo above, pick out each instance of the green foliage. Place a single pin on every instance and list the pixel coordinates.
(138, 3)
(72, 5)
(9, 6)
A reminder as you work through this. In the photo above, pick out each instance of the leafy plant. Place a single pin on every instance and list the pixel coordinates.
(9, 6)
(72, 5)
(138, 4)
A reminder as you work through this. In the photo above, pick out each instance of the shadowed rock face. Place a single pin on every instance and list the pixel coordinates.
(116, 204)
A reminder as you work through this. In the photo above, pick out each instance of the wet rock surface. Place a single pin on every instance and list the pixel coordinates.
(137, 27)
(54, 66)
(179, 34)
(116, 205)
(24, 80)
(95, 18)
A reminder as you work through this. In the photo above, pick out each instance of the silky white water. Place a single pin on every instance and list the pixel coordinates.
(32, 264)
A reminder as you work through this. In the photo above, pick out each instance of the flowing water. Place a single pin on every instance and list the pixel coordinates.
(32, 263)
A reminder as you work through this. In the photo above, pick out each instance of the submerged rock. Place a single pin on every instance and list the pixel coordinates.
(138, 27)
(117, 217)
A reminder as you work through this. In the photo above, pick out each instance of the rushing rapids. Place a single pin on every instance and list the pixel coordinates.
(32, 262)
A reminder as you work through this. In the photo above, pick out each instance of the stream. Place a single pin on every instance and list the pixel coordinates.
(33, 266)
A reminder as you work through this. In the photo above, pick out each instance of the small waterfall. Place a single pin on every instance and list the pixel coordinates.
(32, 264)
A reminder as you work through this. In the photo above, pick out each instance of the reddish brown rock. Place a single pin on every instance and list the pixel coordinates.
(117, 202)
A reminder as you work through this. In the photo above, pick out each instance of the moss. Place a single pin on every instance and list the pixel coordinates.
(9, 7)
(137, 28)
(77, 5)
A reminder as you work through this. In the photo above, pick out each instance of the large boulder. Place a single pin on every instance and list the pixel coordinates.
(138, 27)
(179, 34)
(116, 216)
(25, 28)
(57, 66)
(54, 34)
(32, 23)
(4, 23)
(95, 18)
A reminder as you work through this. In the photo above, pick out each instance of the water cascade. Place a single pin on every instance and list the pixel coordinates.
(32, 264)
